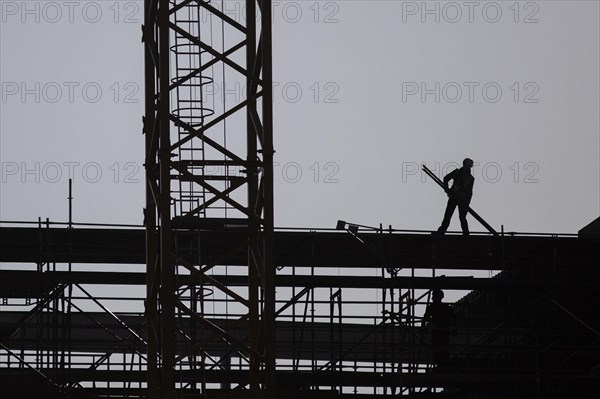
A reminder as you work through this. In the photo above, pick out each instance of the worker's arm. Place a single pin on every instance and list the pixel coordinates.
(424, 324)
(426, 317)
(449, 177)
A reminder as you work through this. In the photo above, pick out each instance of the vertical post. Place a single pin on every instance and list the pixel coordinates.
(66, 350)
(70, 203)
(331, 336)
(252, 175)
(150, 133)
(268, 152)
(167, 288)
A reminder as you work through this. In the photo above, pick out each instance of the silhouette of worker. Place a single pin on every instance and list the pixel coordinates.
(439, 316)
(458, 195)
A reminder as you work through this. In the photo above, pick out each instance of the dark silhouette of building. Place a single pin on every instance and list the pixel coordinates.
(527, 332)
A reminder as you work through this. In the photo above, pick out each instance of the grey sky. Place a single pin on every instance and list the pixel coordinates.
(350, 114)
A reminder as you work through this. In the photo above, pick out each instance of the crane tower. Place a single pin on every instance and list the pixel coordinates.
(209, 165)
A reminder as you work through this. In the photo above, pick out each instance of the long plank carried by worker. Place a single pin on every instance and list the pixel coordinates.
(470, 210)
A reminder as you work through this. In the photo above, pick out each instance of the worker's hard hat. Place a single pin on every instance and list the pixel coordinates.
(468, 162)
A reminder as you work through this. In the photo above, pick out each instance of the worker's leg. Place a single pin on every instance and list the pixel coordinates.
(450, 207)
(463, 209)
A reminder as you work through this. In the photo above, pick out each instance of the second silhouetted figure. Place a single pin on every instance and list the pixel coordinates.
(458, 195)
(439, 316)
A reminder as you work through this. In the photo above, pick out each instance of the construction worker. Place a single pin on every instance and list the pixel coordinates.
(439, 317)
(458, 195)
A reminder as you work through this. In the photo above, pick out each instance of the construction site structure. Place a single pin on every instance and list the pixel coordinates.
(208, 300)
(348, 321)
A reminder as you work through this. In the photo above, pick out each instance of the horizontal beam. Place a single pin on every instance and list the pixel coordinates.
(32, 284)
(299, 380)
(305, 248)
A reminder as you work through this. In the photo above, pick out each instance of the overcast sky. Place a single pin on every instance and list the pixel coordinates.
(365, 91)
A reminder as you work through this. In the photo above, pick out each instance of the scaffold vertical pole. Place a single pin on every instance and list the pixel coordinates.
(268, 211)
(148, 36)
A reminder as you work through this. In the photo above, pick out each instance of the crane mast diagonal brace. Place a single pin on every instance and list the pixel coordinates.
(470, 210)
(163, 165)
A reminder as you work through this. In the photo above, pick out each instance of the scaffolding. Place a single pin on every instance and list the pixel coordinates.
(349, 311)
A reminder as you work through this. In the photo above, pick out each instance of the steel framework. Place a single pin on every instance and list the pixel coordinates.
(184, 137)
(349, 310)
